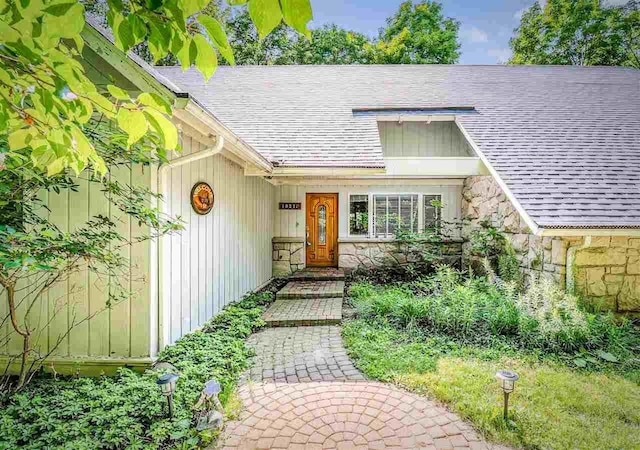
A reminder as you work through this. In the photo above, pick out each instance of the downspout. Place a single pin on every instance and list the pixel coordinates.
(163, 171)
(571, 259)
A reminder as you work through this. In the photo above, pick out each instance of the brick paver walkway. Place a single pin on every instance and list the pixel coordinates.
(301, 354)
(321, 415)
(302, 311)
(318, 274)
(303, 392)
(312, 289)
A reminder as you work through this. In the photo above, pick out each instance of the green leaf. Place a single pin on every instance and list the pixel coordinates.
(154, 101)
(138, 28)
(606, 356)
(117, 93)
(265, 14)
(218, 36)
(20, 138)
(164, 127)
(133, 123)
(206, 60)
(579, 362)
(103, 104)
(190, 7)
(60, 9)
(56, 166)
(159, 40)
(184, 54)
(297, 13)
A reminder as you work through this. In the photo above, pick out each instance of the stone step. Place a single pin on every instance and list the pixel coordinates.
(311, 289)
(318, 274)
(304, 312)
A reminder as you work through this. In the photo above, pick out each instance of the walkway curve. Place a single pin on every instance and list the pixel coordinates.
(303, 392)
(346, 415)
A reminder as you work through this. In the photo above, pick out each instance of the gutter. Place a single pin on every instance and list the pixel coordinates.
(163, 171)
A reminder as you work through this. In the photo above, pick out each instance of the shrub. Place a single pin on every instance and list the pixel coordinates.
(128, 411)
(476, 310)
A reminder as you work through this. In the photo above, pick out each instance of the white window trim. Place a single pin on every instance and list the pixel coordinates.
(389, 194)
(441, 209)
(369, 218)
(371, 214)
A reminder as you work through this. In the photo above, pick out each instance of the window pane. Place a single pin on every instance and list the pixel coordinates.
(409, 213)
(322, 225)
(380, 215)
(359, 215)
(393, 216)
(432, 211)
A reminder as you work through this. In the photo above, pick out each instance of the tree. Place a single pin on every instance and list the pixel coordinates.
(36, 255)
(250, 49)
(46, 99)
(57, 130)
(418, 34)
(331, 44)
(578, 32)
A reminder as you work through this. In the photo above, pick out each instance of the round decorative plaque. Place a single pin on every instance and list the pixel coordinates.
(202, 198)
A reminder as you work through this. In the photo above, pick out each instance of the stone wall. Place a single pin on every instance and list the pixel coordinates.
(371, 253)
(288, 256)
(608, 272)
(604, 270)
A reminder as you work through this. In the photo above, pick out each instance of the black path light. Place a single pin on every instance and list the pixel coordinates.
(167, 383)
(507, 380)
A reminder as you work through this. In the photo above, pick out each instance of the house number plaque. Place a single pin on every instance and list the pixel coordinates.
(202, 198)
(290, 205)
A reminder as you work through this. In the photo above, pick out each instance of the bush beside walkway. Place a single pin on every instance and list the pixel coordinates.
(128, 411)
(445, 337)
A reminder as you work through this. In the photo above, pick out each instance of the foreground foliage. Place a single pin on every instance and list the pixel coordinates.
(479, 311)
(553, 407)
(46, 97)
(128, 411)
(446, 335)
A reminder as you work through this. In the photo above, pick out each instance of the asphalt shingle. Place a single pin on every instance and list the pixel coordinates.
(566, 140)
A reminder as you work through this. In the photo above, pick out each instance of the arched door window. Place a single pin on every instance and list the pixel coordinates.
(322, 225)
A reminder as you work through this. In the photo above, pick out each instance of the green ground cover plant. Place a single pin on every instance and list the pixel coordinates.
(447, 334)
(128, 411)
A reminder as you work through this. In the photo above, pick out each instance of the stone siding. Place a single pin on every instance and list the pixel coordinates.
(367, 254)
(288, 256)
(606, 270)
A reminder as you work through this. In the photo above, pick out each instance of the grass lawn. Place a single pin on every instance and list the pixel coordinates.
(553, 406)
(446, 340)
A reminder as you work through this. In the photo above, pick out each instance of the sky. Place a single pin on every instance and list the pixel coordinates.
(485, 25)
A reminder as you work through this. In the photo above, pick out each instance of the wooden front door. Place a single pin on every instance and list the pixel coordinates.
(322, 230)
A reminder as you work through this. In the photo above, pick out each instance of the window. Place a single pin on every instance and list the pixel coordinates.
(359, 215)
(395, 212)
(322, 225)
(432, 211)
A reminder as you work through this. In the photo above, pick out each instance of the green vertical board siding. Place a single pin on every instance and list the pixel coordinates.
(419, 139)
(221, 256)
(72, 313)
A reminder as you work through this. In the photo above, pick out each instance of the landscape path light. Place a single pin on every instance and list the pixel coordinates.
(207, 404)
(167, 384)
(507, 380)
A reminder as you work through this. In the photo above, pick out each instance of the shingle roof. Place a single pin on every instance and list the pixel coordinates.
(565, 140)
